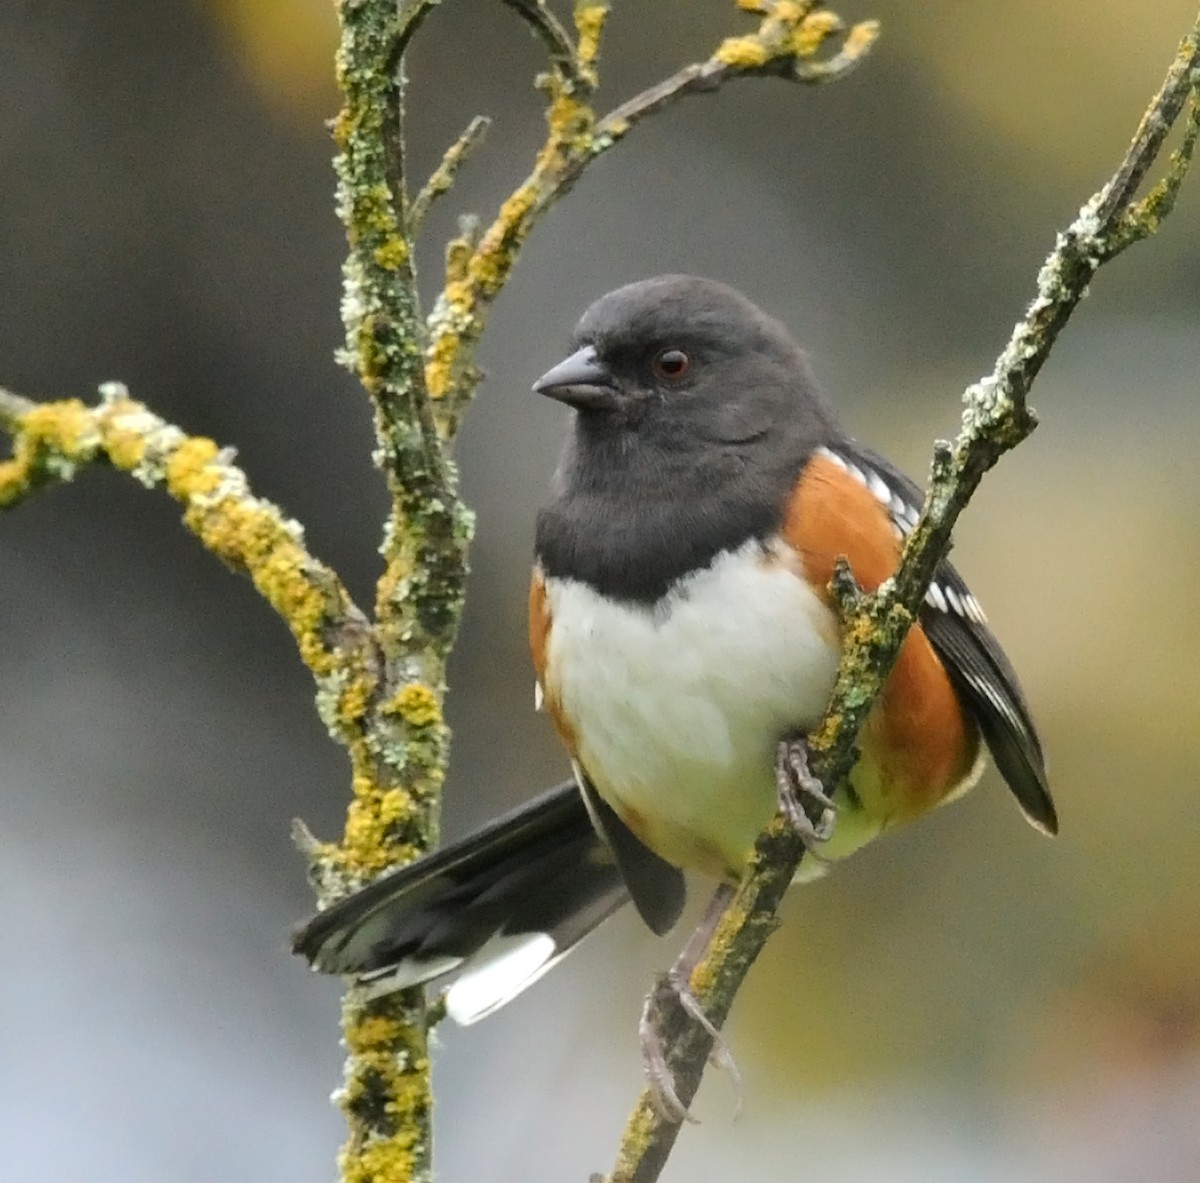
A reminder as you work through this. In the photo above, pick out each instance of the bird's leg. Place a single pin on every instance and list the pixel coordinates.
(677, 984)
(796, 787)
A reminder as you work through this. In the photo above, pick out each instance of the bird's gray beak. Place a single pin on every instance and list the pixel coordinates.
(581, 381)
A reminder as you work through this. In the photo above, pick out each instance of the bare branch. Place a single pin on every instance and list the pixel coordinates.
(995, 419)
(560, 48)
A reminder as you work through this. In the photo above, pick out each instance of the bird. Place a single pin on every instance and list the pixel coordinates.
(684, 639)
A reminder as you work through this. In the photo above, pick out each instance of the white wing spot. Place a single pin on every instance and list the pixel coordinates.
(904, 516)
(904, 520)
(538, 696)
(405, 974)
(880, 488)
(498, 972)
(974, 609)
(831, 455)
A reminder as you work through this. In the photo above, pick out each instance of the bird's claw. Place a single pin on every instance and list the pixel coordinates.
(661, 1080)
(795, 785)
(659, 1077)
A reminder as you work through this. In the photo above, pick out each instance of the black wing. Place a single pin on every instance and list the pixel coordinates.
(957, 629)
(657, 888)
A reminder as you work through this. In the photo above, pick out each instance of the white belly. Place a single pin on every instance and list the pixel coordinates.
(677, 708)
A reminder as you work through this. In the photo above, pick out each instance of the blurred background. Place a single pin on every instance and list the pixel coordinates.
(965, 1001)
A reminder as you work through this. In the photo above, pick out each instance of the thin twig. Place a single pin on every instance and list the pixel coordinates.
(788, 44)
(995, 419)
(717, 70)
(442, 177)
(12, 408)
(560, 48)
(1156, 123)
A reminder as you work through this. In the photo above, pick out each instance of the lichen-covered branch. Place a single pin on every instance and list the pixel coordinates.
(789, 43)
(996, 418)
(386, 1096)
(53, 441)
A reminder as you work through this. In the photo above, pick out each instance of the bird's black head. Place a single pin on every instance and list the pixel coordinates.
(695, 414)
(683, 362)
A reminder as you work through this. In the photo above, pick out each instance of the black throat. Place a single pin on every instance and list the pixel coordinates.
(630, 517)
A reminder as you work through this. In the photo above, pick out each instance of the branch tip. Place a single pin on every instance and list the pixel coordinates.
(560, 48)
(304, 840)
(443, 177)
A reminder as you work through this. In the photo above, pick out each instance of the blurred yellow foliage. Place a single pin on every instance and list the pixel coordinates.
(1052, 79)
(286, 47)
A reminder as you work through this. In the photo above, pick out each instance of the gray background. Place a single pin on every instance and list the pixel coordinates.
(965, 1001)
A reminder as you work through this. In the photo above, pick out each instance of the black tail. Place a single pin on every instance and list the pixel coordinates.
(498, 908)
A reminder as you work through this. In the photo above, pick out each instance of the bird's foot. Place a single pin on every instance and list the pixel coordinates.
(659, 1076)
(676, 986)
(798, 791)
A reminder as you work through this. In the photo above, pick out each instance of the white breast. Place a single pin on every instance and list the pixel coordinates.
(677, 707)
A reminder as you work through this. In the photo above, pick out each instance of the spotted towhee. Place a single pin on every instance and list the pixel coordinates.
(681, 627)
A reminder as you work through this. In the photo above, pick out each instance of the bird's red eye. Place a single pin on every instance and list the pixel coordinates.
(672, 365)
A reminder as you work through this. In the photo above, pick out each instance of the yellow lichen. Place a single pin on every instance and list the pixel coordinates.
(570, 121)
(416, 704)
(372, 357)
(126, 448)
(372, 1032)
(14, 480)
(589, 23)
(492, 262)
(458, 255)
(372, 213)
(52, 440)
(353, 700)
(248, 537)
(392, 588)
(343, 128)
(392, 253)
(439, 363)
(644, 1124)
(812, 32)
(703, 979)
(67, 427)
(791, 11)
(386, 1160)
(367, 844)
(190, 471)
(860, 39)
(742, 53)
(392, 806)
